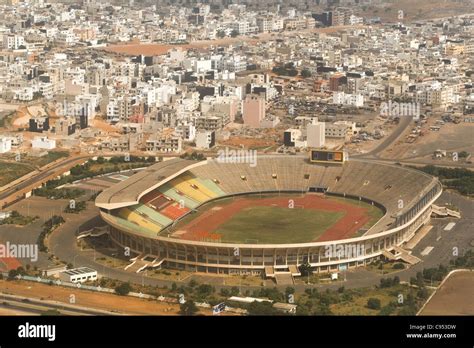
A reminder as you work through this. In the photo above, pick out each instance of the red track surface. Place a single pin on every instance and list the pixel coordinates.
(354, 216)
(8, 263)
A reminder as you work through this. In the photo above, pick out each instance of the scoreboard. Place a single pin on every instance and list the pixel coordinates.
(325, 156)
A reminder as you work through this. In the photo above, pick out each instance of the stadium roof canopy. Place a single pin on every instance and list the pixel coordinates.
(129, 191)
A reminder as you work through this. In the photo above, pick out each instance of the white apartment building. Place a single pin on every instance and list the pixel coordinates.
(43, 143)
(265, 24)
(5, 145)
(47, 89)
(316, 134)
(120, 108)
(202, 65)
(242, 27)
(205, 139)
(78, 275)
(66, 38)
(236, 63)
(13, 42)
(278, 24)
(340, 129)
(355, 20)
(25, 94)
(163, 93)
(16, 139)
(341, 98)
(436, 96)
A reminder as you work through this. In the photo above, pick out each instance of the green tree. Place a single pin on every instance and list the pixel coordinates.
(373, 303)
(188, 308)
(305, 269)
(305, 73)
(261, 308)
(398, 265)
(423, 293)
(387, 310)
(12, 274)
(123, 289)
(289, 291)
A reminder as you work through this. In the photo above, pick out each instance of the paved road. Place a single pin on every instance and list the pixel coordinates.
(40, 176)
(374, 155)
(37, 306)
(418, 163)
(403, 124)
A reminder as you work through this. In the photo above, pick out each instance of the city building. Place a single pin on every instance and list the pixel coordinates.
(78, 275)
(253, 110)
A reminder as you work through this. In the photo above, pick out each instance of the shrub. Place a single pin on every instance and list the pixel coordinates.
(123, 289)
(373, 303)
(188, 308)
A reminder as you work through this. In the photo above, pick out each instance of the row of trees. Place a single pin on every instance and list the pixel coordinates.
(48, 227)
(76, 208)
(195, 156)
(460, 179)
(16, 218)
(52, 193)
(289, 69)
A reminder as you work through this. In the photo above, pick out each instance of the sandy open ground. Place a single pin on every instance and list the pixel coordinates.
(454, 297)
(108, 302)
(8, 106)
(418, 10)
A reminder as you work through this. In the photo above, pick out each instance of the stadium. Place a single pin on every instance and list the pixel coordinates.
(232, 218)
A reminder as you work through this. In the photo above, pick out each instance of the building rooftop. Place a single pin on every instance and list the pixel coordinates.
(79, 270)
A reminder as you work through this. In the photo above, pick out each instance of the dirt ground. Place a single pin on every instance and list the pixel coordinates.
(344, 228)
(108, 302)
(248, 143)
(24, 113)
(450, 137)
(102, 125)
(134, 48)
(11, 312)
(454, 297)
(418, 10)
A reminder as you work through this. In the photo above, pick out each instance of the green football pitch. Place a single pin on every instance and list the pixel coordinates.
(261, 224)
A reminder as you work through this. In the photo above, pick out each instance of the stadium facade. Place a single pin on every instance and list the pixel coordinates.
(142, 209)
